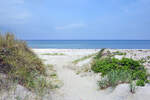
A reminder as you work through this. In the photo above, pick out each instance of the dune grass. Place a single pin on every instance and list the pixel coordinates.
(20, 63)
(96, 56)
(53, 54)
(83, 58)
(119, 53)
(99, 54)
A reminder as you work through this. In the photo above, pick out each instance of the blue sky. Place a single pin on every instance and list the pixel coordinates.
(76, 19)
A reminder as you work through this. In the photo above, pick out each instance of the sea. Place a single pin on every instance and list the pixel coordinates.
(89, 44)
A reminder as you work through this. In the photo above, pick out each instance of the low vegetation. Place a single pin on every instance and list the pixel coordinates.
(143, 60)
(83, 58)
(100, 54)
(53, 54)
(20, 64)
(119, 53)
(115, 71)
(148, 57)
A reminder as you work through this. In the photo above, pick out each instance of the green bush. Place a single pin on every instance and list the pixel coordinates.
(119, 71)
(140, 83)
(18, 61)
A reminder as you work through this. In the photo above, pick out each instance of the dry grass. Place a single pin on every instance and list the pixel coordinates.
(83, 58)
(19, 62)
(54, 54)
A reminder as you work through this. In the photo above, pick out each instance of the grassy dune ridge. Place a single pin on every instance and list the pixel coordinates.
(19, 63)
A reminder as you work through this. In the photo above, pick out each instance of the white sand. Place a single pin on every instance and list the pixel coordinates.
(85, 88)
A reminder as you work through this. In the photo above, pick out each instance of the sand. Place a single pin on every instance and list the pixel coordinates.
(83, 86)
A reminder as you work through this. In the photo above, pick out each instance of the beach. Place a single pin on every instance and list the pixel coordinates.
(81, 84)
(74, 49)
(71, 78)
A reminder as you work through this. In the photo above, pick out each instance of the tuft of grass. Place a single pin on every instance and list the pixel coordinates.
(18, 98)
(20, 63)
(119, 53)
(148, 57)
(114, 78)
(53, 54)
(132, 87)
(100, 54)
(140, 50)
(83, 58)
(143, 60)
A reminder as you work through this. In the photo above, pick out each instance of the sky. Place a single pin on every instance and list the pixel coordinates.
(76, 19)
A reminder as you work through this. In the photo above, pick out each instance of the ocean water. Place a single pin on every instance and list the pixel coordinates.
(90, 44)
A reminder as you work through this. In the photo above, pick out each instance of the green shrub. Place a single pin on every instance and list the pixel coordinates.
(140, 83)
(119, 71)
(19, 62)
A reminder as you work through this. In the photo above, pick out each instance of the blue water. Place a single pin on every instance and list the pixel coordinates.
(90, 44)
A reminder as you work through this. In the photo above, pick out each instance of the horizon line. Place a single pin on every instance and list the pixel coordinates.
(84, 40)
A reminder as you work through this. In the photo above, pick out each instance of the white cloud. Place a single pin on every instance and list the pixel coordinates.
(71, 26)
(13, 12)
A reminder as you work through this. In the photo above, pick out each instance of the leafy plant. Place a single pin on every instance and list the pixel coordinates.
(115, 71)
(140, 83)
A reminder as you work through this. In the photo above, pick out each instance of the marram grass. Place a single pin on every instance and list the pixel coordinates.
(19, 62)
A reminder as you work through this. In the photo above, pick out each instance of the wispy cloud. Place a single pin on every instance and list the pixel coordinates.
(13, 12)
(71, 26)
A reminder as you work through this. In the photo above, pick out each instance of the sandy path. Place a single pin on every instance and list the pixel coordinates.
(75, 87)
(83, 88)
